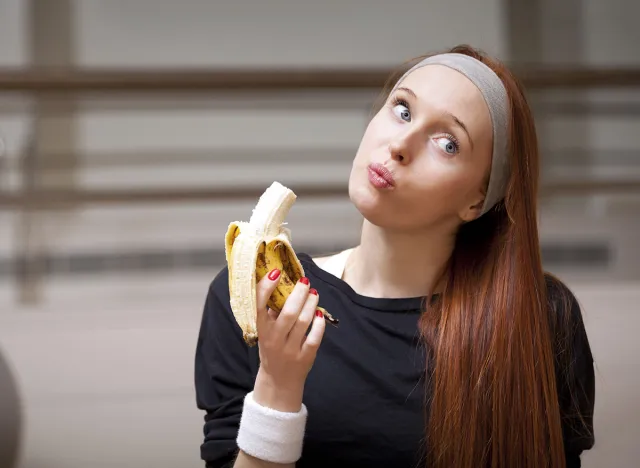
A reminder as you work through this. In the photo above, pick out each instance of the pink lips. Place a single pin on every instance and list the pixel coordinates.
(380, 176)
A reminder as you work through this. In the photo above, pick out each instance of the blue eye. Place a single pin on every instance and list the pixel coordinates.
(402, 112)
(447, 145)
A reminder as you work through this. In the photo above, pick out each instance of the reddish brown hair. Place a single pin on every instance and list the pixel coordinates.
(492, 391)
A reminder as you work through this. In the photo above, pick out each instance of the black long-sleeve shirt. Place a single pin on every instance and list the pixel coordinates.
(365, 391)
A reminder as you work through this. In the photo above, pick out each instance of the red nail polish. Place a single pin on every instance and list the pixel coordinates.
(313, 291)
(273, 274)
(319, 313)
(304, 280)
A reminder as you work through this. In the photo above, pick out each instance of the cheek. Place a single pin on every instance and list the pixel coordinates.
(446, 180)
(377, 136)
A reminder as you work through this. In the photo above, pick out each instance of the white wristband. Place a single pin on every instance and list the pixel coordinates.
(271, 435)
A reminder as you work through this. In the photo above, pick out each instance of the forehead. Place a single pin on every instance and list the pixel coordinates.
(446, 89)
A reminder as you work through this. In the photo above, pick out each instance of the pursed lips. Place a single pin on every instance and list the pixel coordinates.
(382, 172)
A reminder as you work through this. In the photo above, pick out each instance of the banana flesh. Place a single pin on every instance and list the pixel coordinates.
(255, 248)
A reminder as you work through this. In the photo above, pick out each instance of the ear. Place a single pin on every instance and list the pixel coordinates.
(473, 211)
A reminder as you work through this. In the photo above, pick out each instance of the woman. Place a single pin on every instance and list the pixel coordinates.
(454, 349)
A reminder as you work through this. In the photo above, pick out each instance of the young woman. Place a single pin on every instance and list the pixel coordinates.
(454, 348)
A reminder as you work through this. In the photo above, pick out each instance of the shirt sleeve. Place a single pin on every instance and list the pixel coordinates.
(575, 374)
(225, 369)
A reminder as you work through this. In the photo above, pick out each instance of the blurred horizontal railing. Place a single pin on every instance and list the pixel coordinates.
(115, 80)
(51, 198)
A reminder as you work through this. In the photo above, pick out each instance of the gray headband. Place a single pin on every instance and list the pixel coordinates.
(495, 95)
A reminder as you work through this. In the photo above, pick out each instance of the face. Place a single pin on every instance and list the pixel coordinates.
(433, 141)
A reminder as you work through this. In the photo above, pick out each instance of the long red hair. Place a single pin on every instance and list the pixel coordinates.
(492, 397)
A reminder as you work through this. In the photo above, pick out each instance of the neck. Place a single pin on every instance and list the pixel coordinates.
(395, 264)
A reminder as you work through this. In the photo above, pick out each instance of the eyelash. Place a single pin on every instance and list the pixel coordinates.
(397, 100)
(400, 101)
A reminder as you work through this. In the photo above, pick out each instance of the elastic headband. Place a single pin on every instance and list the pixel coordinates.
(495, 95)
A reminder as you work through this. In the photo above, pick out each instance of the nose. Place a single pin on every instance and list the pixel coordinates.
(404, 145)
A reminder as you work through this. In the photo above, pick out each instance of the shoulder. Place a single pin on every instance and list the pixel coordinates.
(320, 261)
(219, 285)
(217, 307)
(571, 347)
(572, 351)
(557, 291)
(314, 263)
(566, 316)
(565, 312)
(219, 326)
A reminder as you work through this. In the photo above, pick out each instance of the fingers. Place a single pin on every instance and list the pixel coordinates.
(301, 325)
(292, 308)
(264, 289)
(288, 328)
(314, 338)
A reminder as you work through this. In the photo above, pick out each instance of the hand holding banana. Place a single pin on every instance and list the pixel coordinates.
(271, 299)
(287, 352)
(254, 249)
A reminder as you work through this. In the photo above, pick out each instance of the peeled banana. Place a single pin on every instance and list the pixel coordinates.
(255, 248)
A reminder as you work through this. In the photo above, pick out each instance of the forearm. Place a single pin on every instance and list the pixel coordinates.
(247, 461)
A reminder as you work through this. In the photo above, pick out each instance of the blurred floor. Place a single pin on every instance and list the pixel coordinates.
(107, 379)
(107, 382)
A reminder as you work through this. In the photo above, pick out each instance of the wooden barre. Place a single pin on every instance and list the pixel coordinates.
(127, 80)
(44, 198)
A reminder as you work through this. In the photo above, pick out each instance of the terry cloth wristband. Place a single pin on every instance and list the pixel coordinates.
(271, 435)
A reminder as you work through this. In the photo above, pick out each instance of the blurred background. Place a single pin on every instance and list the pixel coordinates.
(132, 133)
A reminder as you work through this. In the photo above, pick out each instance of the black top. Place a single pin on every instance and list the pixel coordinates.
(365, 391)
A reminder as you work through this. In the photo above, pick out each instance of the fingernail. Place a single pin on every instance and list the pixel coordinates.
(319, 313)
(304, 280)
(273, 274)
(313, 291)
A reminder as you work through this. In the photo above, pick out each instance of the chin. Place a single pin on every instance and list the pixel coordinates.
(386, 212)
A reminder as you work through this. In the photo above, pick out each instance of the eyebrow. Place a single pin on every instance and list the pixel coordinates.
(461, 124)
(455, 119)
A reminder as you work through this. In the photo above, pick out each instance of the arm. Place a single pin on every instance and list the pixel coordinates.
(247, 461)
(574, 374)
(578, 399)
(224, 375)
(257, 410)
(577, 404)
